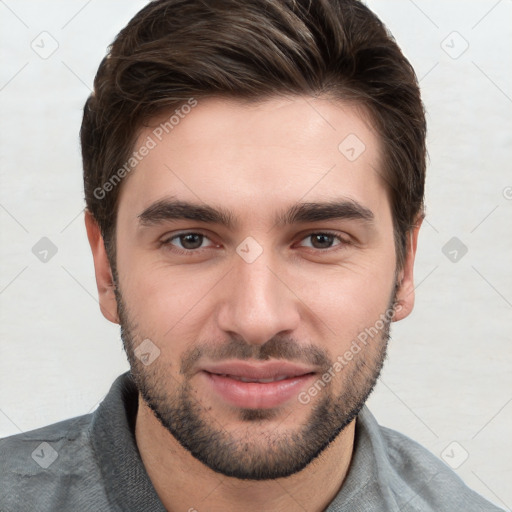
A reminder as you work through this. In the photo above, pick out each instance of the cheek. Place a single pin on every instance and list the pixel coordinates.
(348, 299)
(166, 302)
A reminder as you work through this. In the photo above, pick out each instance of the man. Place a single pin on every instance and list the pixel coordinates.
(254, 176)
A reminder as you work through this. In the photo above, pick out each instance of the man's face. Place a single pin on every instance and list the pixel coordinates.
(254, 246)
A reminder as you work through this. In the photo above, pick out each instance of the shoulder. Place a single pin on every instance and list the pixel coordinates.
(426, 483)
(38, 467)
(34, 452)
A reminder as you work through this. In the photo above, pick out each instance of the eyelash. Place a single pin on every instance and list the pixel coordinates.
(190, 252)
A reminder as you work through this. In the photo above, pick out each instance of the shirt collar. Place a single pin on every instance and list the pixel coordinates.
(127, 483)
(366, 487)
(128, 487)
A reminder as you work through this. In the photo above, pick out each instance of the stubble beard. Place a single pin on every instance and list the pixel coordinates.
(255, 452)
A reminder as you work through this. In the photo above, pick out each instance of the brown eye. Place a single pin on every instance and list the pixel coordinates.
(188, 241)
(322, 240)
(191, 240)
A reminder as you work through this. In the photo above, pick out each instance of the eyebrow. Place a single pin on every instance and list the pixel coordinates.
(331, 210)
(171, 209)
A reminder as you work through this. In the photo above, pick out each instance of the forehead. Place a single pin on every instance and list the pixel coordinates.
(251, 156)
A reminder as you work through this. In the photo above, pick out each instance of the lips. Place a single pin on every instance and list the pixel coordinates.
(268, 370)
(257, 385)
(261, 381)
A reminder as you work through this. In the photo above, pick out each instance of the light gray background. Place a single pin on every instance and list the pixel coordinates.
(448, 377)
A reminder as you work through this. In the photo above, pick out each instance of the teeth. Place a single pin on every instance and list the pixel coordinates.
(261, 381)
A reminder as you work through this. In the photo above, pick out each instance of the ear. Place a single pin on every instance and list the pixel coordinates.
(104, 280)
(405, 293)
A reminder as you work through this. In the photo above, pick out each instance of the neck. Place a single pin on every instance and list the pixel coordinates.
(183, 483)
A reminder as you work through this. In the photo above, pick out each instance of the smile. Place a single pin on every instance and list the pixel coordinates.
(262, 381)
(257, 385)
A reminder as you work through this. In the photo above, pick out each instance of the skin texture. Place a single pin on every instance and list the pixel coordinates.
(303, 299)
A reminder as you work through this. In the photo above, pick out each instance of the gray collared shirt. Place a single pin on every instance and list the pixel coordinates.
(91, 463)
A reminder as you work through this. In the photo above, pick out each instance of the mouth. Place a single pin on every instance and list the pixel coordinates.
(261, 381)
(257, 385)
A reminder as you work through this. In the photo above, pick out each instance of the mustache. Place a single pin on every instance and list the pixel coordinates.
(278, 347)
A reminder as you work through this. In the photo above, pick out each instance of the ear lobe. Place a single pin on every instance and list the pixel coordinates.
(405, 292)
(103, 272)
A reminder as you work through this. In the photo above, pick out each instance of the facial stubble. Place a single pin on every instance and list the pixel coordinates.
(256, 452)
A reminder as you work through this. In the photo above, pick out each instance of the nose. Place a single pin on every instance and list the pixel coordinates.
(257, 301)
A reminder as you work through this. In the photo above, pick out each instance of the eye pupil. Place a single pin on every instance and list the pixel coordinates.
(191, 240)
(322, 240)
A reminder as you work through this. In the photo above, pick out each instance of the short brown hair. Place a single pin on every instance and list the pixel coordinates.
(175, 50)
